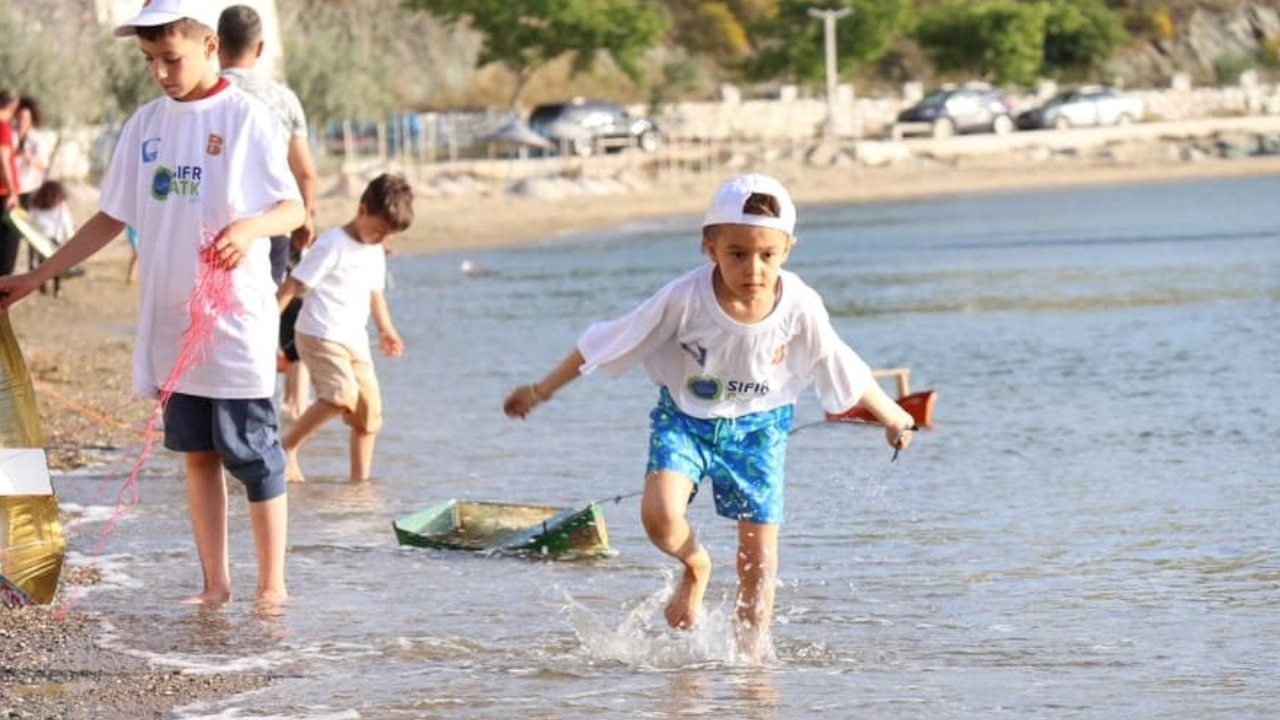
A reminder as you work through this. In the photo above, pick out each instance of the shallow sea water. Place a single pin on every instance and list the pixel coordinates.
(1089, 532)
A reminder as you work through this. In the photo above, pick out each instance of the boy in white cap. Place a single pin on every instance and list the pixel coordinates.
(202, 174)
(731, 345)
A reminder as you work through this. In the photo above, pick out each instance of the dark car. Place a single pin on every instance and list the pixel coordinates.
(970, 108)
(583, 127)
(1089, 106)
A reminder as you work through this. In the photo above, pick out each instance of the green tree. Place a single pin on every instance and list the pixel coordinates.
(997, 39)
(336, 60)
(790, 42)
(1080, 36)
(524, 35)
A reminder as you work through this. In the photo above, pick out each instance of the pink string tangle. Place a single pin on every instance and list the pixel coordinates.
(213, 297)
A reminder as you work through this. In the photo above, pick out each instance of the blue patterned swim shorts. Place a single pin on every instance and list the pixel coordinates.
(744, 457)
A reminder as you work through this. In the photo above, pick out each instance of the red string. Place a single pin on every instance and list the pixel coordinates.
(213, 297)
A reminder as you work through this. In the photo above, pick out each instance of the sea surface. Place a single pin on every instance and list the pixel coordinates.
(1090, 530)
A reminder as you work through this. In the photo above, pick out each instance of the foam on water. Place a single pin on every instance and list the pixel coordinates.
(643, 640)
(201, 711)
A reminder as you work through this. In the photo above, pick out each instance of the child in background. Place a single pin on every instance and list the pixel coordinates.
(730, 345)
(201, 174)
(345, 274)
(50, 213)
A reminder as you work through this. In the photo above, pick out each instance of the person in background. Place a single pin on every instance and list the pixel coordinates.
(345, 274)
(240, 48)
(730, 344)
(10, 189)
(50, 212)
(203, 177)
(33, 156)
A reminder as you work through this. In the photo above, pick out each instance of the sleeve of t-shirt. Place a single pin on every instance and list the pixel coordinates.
(317, 262)
(380, 282)
(297, 123)
(119, 197)
(615, 345)
(266, 180)
(839, 375)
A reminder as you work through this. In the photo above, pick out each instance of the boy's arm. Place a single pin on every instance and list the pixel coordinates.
(898, 423)
(231, 245)
(287, 292)
(524, 398)
(388, 339)
(92, 236)
(304, 171)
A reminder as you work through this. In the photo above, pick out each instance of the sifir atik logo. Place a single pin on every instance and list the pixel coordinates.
(714, 389)
(184, 180)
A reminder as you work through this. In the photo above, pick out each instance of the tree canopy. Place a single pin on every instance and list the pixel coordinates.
(524, 35)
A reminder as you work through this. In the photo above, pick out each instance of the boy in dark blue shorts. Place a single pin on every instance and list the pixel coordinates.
(202, 175)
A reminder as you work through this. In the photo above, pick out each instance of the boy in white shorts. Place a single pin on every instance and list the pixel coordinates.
(730, 345)
(345, 274)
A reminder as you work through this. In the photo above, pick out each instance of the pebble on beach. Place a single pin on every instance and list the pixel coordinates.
(52, 668)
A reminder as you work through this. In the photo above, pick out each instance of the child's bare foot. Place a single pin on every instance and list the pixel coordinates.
(682, 611)
(292, 470)
(270, 603)
(210, 598)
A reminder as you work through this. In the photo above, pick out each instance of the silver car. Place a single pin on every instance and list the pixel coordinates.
(1085, 107)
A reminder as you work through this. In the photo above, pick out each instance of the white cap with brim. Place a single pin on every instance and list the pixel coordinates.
(726, 206)
(163, 12)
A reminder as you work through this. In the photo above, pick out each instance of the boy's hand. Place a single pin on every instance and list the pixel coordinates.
(15, 287)
(302, 237)
(229, 248)
(521, 401)
(900, 432)
(392, 345)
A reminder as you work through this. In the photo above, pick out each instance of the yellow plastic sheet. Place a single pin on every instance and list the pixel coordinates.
(31, 542)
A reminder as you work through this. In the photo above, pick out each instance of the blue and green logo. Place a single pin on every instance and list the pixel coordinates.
(705, 388)
(161, 183)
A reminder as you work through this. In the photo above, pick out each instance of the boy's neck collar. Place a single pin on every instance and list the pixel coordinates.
(220, 84)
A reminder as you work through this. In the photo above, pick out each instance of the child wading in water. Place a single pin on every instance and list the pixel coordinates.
(730, 345)
(345, 273)
(201, 174)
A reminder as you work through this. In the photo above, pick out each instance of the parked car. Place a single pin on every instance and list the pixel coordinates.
(969, 108)
(1090, 106)
(583, 126)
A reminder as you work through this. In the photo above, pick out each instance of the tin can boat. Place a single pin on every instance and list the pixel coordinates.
(508, 529)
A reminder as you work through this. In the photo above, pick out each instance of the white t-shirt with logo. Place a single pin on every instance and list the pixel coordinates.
(180, 173)
(341, 275)
(717, 367)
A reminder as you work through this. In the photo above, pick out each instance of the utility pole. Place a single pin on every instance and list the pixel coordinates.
(829, 18)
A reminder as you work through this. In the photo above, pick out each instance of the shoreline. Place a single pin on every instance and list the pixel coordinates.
(78, 350)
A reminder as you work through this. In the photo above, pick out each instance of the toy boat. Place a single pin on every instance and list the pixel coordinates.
(919, 404)
(509, 529)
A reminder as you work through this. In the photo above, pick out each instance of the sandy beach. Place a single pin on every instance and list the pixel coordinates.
(77, 347)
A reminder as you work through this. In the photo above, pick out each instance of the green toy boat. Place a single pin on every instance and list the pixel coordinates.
(507, 529)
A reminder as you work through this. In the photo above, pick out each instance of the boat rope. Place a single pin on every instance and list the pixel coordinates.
(85, 411)
(211, 298)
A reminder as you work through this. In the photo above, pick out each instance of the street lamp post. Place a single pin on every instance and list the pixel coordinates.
(829, 18)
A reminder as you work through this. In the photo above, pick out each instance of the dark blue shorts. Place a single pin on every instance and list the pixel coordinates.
(242, 432)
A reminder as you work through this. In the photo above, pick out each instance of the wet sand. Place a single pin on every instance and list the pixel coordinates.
(78, 347)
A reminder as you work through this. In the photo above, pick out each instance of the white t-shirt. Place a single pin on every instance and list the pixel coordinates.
(180, 173)
(54, 223)
(717, 367)
(341, 275)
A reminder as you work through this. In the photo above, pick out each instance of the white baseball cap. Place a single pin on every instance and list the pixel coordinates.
(163, 12)
(727, 204)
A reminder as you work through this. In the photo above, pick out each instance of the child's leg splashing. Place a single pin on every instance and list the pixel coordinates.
(211, 298)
